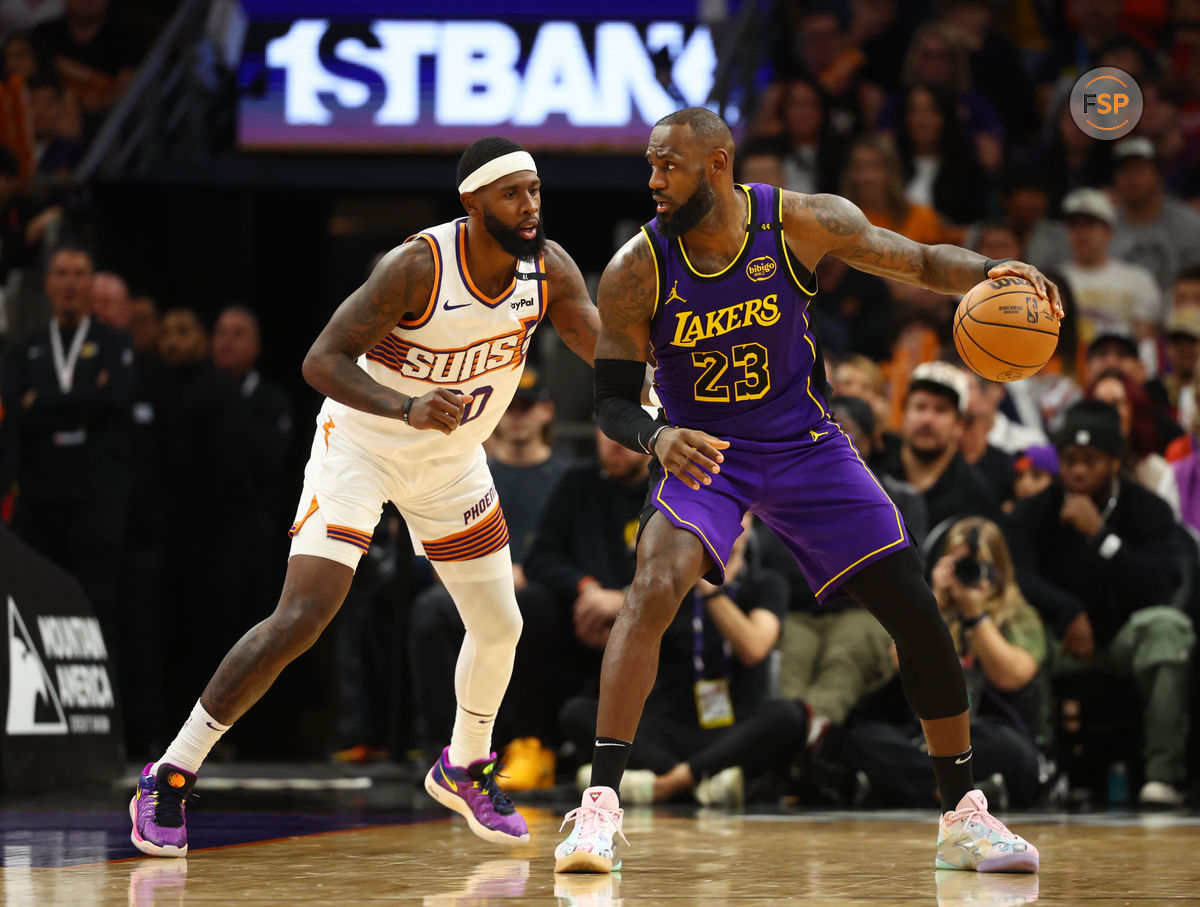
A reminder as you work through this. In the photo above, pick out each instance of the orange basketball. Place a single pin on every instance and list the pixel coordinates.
(1003, 330)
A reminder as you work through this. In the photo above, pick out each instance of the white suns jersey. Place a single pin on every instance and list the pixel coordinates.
(463, 341)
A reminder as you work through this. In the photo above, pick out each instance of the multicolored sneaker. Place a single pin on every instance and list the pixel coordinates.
(969, 837)
(474, 793)
(157, 811)
(592, 844)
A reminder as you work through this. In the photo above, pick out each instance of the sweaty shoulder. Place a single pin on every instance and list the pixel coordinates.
(822, 216)
(405, 278)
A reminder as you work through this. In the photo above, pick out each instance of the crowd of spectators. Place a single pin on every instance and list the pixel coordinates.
(1057, 517)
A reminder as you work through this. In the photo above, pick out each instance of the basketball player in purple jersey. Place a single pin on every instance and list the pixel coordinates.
(715, 292)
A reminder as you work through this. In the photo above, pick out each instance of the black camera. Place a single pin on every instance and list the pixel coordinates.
(969, 569)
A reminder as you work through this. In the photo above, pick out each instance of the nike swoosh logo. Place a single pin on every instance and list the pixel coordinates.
(211, 725)
(450, 308)
(442, 769)
(966, 758)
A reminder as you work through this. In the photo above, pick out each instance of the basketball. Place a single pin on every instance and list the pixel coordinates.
(1003, 330)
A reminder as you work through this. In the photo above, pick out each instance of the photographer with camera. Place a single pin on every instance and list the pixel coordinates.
(1001, 644)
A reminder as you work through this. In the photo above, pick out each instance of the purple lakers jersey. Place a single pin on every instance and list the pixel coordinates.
(735, 354)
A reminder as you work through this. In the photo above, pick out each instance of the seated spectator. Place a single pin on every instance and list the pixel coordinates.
(94, 52)
(937, 57)
(1036, 468)
(145, 324)
(1071, 159)
(1002, 645)
(942, 169)
(110, 300)
(19, 57)
(1108, 293)
(983, 425)
(1172, 389)
(1097, 555)
(857, 375)
(1117, 350)
(708, 727)
(758, 161)
(1025, 203)
(873, 180)
(1153, 230)
(928, 455)
(1143, 460)
(995, 239)
(795, 115)
(57, 149)
(853, 311)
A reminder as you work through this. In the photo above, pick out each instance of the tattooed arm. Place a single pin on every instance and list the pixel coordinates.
(571, 309)
(399, 287)
(816, 225)
(626, 299)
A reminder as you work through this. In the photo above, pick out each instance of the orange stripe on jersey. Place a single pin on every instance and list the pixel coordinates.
(312, 508)
(466, 275)
(487, 536)
(410, 323)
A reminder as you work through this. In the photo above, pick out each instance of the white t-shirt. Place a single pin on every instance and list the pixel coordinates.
(1114, 295)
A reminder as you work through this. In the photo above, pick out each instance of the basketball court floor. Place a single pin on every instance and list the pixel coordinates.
(358, 838)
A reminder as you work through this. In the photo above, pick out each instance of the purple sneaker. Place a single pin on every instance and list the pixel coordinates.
(159, 825)
(474, 793)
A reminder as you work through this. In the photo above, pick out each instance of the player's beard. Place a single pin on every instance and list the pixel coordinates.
(690, 213)
(511, 240)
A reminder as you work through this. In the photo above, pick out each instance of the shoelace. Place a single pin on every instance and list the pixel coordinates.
(491, 787)
(588, 820)
(983, 817)
(168, 808)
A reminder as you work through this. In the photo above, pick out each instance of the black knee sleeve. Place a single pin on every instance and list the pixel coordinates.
(895, 592)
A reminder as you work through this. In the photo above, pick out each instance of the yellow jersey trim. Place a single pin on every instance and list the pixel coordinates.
(741, 251)
(787, 255)
(658, 282)
(696, 530)
(899, 523)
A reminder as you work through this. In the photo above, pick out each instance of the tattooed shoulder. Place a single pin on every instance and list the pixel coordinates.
(403, 280)
(627, 287)
(832, 214)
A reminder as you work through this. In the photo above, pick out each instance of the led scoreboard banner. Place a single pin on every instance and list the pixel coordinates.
(362, 75)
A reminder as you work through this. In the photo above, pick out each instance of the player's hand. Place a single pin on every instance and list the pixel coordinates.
(1044, 286)
(1078, 640)
(440, 409)
(941, 579)
(689, 455)
(594, 613)
(1080, 512)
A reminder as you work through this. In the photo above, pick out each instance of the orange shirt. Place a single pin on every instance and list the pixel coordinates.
(921, 224)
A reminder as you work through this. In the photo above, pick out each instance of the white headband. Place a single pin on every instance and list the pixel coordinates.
(496, 168)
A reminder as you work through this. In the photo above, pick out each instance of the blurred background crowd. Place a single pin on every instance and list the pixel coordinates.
(157, 303)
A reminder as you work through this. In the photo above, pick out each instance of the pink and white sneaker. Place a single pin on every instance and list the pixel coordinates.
(592, 844)
(969, 837)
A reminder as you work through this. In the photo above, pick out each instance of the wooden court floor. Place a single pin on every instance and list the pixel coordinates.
(707, 858)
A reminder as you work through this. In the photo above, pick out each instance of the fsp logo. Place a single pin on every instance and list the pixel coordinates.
(761, 268)
(1106, 103)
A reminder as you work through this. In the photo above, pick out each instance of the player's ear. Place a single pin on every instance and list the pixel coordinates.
(719, 161)
(469, 202)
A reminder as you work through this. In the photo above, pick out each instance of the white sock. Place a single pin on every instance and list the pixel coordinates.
(471, 739)
(195, 739)
(489, 612)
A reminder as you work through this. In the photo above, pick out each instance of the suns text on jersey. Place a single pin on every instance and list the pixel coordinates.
(454, 366)
(691, 327)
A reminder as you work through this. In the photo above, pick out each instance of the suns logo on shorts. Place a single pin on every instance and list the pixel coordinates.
(761, 268)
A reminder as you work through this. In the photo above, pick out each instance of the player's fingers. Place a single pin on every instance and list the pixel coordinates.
(1056, 301)
(705, 460)
(682, 475)
(450, 401)
(693, 469)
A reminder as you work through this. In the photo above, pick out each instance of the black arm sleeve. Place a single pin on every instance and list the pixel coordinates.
(618, 386)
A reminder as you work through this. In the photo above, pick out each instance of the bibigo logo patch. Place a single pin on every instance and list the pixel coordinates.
(761, 268)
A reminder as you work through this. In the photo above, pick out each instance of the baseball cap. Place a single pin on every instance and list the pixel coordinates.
(1184, 322)
(1114, 334)
(1040, 456)
(1134, 147)
(942, 378)
(1090, 203)
(1091, 423)
(532, 387)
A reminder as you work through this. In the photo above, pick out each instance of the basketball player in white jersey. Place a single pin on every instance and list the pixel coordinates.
(418, 366)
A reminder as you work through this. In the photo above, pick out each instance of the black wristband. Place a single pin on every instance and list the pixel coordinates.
(407, 408)
(970, 623)
(992, 263)
(720, 590)
(618, 386)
